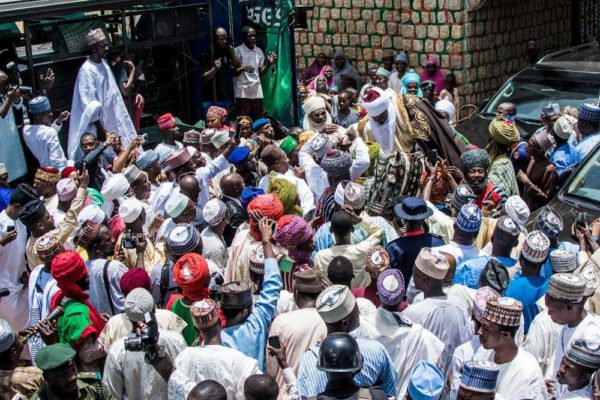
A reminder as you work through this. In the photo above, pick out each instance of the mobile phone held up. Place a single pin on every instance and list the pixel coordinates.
(274, 342)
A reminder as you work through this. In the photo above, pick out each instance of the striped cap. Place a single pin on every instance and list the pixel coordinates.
(585, 353)
(563, 260)
(504, 311)
(479, 376)
(567, 287)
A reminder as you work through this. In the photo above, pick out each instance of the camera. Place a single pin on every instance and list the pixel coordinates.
(14, 78)
(127, 240)
(147, 340)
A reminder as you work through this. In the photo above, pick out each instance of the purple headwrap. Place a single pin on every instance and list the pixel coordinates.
(293, 231)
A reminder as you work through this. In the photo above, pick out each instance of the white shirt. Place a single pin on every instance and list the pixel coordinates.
(360, 158)
(98, 290)
(541, 339)
(129, 377)
(206, 173)
(307, 200)
(43, 142)
(11, 151)
(11, 254)
(520, 378)
(395, 82)
(464, 352)
(225, 365)
(247, 84)
(585, 393)
(214, 248)
(460, 252)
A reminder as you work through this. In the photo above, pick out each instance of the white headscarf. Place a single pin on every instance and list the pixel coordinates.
(384, 133)
(446, 106)
(312, 104)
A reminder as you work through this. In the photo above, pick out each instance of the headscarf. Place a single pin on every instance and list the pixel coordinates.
(293, 231)
(269, 206)
(219, 112)
(411, 77)
(313, 69)
(446, 106)
(287, 193)
(191, 274)
(67, 268)
(437, 78)
(346, 69)
(305, 137)
(503, 134)
(329, 82)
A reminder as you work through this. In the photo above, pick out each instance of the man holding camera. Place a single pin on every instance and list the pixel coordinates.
(139, 365)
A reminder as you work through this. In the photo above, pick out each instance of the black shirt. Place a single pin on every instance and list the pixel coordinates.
(224, 79)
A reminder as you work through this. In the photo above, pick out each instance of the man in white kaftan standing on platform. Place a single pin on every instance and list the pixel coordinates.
(98, 105)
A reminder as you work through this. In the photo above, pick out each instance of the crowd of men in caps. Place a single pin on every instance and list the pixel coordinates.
(333, 261)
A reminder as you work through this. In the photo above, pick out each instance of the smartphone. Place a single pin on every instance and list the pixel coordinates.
(127, 240)
(238, 131)
(274, 342)
(432, 156)
(10, 228)
(581, 219)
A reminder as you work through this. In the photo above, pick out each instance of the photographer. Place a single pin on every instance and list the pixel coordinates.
(139, 365)
(11, 150)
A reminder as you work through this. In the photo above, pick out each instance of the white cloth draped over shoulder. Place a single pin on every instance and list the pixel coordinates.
(96, 96)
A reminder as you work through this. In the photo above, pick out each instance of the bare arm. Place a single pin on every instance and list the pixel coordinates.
(121, 161)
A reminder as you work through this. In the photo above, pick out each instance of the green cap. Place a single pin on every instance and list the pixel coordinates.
(288, 145)
(54, 356)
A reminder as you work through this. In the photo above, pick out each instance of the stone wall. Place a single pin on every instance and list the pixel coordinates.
(483, 46)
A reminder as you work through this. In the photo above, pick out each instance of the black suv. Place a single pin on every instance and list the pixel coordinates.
(568, 77)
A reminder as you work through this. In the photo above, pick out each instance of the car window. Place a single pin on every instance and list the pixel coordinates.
(586, 183)
(531, 95)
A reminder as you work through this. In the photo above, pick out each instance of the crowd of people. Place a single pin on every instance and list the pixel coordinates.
(372, 253)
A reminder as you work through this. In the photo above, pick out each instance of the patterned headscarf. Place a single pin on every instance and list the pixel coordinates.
(217, 112)
(293, 231)
(503, 134)
(269, 206)
(287, 193)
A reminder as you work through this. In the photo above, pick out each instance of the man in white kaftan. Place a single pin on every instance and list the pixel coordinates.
(42, 135)
(11, 151)
(97, 100)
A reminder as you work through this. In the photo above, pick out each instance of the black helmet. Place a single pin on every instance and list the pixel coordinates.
(339, 353)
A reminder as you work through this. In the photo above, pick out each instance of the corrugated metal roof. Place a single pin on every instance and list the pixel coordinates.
(18, 10)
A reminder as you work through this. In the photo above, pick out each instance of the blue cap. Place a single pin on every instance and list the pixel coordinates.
(249, 193)
(39, 105)
(412, 209)
(238, 155)
(260, 123)
(146, 159)
(589, 112)
(469, 218)
(402, 57)
(426, 382)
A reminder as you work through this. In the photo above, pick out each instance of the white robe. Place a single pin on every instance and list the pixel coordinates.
(227, 366)
(43, 142)
(588, 329)
(541, 339)
(520, 378)
(96, 96)
(406, 342)
(39, 305)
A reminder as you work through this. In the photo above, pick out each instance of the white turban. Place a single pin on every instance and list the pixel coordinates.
(92, 213)
(313, 103)
(375, 106)
(114, 187)
(446, 106)
(130, 210)
(517, 210)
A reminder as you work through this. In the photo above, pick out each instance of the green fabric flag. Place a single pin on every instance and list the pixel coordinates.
(277, 82)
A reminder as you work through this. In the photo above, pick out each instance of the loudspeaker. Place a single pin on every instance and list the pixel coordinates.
(168, 23)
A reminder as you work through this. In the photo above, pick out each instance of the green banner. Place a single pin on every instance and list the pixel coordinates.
(277, 82)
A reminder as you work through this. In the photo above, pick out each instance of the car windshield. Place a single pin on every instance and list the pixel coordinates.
(585, 184)
(531, 95)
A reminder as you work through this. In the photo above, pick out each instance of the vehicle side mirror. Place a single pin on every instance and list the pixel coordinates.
(483, 104)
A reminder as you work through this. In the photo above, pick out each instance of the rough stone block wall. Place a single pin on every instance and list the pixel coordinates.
(482, 47)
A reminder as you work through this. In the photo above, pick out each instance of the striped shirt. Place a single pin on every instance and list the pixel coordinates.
(378, 370)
